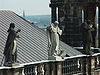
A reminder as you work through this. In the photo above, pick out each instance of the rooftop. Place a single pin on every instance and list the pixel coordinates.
(32, 46)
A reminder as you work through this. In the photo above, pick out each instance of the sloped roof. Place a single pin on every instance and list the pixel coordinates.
(32, 46)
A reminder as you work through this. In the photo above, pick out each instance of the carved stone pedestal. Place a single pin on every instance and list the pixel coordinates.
(55, 67)
(14, 65)
(9, 64)
(57, 58)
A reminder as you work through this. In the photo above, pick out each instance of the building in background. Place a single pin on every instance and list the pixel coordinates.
(71, 14)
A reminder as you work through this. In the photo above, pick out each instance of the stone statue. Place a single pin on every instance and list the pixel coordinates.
(53, 32)
(87, 29)
(10, 50)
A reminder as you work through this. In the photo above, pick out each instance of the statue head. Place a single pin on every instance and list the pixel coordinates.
(12, 25)
(56, 23)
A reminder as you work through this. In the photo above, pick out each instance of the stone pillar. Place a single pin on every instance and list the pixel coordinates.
(59, 68)
(47, 69)
(97, 26)
(61, 16)
(82, 16)
(53, 14)
(53, 69)
(89, 65)
(83, 66)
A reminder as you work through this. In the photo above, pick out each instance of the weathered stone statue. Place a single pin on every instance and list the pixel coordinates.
(87, 29)
(10, 50)
(53, 39)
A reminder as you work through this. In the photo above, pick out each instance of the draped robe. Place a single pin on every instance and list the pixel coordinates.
(53, 39)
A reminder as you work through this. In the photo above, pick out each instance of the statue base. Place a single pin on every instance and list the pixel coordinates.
(13, 65)
(57, 58)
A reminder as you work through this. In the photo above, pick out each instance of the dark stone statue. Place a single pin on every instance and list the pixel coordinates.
(10, 50)
(87, 32)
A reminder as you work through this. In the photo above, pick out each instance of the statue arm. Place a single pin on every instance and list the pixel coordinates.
(17, 32)
(59, 31)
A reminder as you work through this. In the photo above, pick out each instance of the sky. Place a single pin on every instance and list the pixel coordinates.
(31, 7)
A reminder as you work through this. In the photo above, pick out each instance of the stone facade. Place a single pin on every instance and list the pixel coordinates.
(70, 17)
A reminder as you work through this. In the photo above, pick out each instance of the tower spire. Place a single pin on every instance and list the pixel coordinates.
(23, 14)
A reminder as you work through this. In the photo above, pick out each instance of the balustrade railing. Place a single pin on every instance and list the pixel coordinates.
(69, 66)
(77, 1)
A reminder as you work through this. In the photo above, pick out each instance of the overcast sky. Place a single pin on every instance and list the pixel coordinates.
(31, 7)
